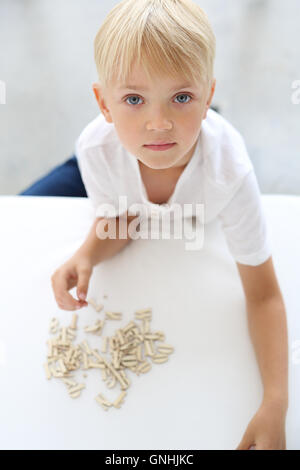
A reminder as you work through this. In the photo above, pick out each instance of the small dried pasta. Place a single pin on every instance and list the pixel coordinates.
(128, 350)
(92, 302)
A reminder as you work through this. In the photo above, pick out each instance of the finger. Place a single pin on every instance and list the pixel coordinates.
(64, 300)
(84, 275)
(67, 302)
(245, 443)
(264, 445)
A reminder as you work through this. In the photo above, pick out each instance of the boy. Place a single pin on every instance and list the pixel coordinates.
(157, 142)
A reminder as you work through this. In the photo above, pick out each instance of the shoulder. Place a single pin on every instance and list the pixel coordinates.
(98, 147)
(225, 157)
(97, 133)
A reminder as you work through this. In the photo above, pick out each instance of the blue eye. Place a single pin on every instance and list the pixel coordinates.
(184, 94)
(135, 96)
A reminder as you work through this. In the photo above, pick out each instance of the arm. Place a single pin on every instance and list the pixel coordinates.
(267, 327)
(78, 269)
(96, 249)
(268, 330)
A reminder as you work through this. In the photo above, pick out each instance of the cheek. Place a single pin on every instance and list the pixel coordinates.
(128, 121)
(190, 116)
(128, 132)
(188, 126)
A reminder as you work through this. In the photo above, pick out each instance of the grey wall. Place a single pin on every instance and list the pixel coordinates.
(46, 61)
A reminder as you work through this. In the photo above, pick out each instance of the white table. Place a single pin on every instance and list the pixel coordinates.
(203, 398)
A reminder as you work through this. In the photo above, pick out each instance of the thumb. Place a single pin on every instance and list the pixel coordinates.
(84, 275)
(246, 442)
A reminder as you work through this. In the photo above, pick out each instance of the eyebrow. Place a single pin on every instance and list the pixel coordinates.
(134, 87)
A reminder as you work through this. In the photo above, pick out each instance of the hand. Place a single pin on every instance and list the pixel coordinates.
(266, 430)
(76, 271)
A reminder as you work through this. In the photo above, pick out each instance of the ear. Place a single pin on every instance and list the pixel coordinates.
(210, 97)
(101, 102)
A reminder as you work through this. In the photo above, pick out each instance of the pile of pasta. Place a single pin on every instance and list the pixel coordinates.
(134, 347)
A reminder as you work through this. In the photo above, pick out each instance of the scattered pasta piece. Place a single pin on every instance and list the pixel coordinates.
(104, 344)
(103, 402)
(48, 372)
(119, 400)
(159, 358)
(53, 326)
(92, 302)
(96, 329)
(113, 315)
(165, 348)
(74, 322)
(143, 310)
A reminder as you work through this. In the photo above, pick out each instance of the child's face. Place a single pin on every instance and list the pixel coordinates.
(160, 110)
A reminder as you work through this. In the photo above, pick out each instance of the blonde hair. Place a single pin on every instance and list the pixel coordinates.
(165, 37)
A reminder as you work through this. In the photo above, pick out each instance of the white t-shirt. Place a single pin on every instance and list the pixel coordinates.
(220, 176)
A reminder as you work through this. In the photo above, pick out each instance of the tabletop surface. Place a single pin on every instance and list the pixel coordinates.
(207, 392)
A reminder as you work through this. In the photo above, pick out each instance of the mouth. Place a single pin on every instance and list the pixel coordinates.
(160, 146)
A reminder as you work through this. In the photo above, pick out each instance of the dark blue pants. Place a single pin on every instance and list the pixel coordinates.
(63, 180)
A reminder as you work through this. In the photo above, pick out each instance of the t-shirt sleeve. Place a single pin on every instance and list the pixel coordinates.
(245, 225)
(96, 180)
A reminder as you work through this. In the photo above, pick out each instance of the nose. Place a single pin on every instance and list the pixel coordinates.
(159, 120)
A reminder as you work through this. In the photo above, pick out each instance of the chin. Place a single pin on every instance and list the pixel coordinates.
(158, 165)
(159, 162)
